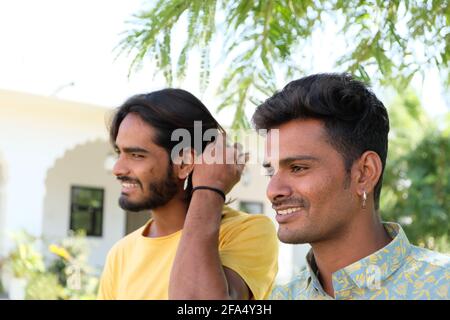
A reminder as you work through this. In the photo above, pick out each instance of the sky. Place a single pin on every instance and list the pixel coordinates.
(65, 49)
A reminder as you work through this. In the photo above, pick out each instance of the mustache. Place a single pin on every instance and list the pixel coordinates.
(292, 202)
(129, 179)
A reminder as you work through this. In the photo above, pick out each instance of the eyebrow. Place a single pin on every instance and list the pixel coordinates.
(285, 161)
(132, 149)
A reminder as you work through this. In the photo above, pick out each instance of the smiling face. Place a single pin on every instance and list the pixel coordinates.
(309, 187)
(142, 166)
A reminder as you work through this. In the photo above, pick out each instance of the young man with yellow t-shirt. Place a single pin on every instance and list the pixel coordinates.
(194, 247)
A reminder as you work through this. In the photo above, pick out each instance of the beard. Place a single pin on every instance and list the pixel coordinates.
(161, 192)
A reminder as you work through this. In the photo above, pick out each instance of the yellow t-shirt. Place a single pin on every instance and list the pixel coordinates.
(138, 267)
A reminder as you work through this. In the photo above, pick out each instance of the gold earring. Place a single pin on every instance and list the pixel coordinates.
(364, 199)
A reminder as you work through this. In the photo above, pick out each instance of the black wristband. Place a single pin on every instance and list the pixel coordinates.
(222, 194)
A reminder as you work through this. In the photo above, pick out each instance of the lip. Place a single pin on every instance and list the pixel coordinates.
(285, 218)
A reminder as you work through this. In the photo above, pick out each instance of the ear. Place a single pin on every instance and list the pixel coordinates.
(367, 172)
(185, 164)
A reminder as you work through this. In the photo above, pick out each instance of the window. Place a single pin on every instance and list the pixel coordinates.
(86, 210)
(251, 206)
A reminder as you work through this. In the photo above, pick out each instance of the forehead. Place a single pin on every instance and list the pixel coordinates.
(134, 131)
(298, 137)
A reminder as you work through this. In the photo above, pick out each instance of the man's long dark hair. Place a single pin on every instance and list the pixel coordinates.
(354, 119)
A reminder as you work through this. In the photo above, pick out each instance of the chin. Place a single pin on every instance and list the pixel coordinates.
(134, 206)
(290, 237)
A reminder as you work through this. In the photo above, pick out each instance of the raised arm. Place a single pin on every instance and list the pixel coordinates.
(197, 272)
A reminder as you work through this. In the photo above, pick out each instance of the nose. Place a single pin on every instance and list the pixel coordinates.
(278, 188)
(120, 168)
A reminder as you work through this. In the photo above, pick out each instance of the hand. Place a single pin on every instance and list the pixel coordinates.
(219, 166)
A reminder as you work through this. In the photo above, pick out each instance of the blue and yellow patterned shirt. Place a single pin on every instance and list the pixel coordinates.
(397, 271)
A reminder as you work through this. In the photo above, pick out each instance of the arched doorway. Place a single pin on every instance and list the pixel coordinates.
(82, 193)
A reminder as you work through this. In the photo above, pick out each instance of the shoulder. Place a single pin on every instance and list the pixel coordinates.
(428, 272)
(244, 231)
(428, 257)
(125, 244)
(244, 227)
(233, 218)
(429, 263)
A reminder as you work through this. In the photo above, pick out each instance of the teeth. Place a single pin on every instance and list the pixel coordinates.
(290, 210)
(129, 185)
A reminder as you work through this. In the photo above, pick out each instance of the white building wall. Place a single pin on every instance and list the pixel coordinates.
(34, 132)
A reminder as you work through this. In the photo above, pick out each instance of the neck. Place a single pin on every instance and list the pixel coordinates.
(364, 236)
(169, 218)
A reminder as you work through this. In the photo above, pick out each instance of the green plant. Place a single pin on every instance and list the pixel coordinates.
(72, 269)
(419, 193)
(416, 183)
(24, 259)
(44, 286)
(261, 41)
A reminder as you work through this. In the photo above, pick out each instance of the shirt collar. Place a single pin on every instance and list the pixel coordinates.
(374, 268)
(313, 271)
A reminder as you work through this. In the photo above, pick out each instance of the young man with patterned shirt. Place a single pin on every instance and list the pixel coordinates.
(325, 187)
